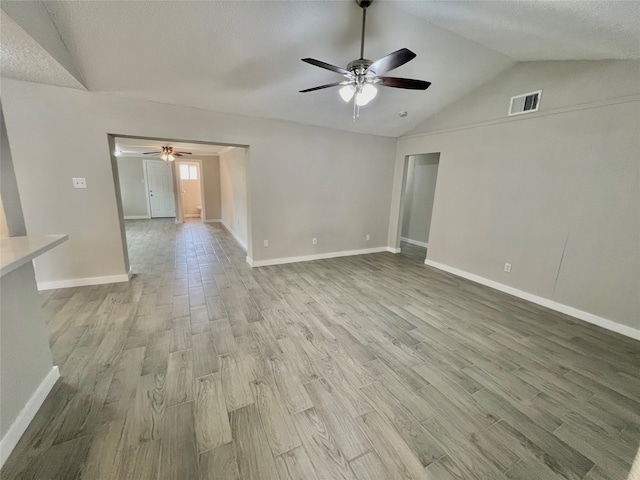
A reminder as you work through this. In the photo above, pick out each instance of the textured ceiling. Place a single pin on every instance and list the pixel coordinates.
(540, 29)
(134, 147)
(22, 58)
(244, 57)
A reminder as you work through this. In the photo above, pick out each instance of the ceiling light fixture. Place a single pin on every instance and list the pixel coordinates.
(363, 76)
(168, 154)
(367, 93)
(347, 92)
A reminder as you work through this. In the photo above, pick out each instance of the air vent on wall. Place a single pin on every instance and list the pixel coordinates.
(527, 103)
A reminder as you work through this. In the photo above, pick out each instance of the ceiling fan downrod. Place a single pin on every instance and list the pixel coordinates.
(363, 4)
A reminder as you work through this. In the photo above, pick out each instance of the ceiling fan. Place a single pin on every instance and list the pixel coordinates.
(364, 75)
(167, 154)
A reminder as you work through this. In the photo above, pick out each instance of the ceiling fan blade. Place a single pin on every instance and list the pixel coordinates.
(327, 66)
(391, 61)
(408, 83)
(328, 85)
(152, 153)
(182, 153)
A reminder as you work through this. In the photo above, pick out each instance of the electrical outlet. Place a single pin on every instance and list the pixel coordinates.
(79, 182)
(368, 237)
(314, 241)
(265, 243)
(507, 267)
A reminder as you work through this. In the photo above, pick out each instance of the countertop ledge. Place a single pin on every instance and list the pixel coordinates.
(16, 251)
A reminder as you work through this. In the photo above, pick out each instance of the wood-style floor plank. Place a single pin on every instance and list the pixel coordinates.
(178, 455)
(211, 419)
(354, 368)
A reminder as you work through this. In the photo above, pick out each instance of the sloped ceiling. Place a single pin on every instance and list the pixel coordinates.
(528, 30)
(244, 57)
(23, 58)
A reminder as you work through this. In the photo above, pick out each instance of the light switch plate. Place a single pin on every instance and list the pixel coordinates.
(79, 182)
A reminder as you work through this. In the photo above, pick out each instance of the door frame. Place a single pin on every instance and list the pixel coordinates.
(146, 161)
(203, 214)
(405, 175)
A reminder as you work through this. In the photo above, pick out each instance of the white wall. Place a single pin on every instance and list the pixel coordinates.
(555, 193)
(11, 204)
(132, 187)
(25, 357)
(303, 181)
(420, 189)
(233, 193)
(211, 179)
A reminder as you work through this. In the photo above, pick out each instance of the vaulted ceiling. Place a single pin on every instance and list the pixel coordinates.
(244, 57)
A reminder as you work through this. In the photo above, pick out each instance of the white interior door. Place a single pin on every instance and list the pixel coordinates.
(160, 183)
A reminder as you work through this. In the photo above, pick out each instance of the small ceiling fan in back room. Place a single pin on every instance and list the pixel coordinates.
(363, 76)
(168, 154)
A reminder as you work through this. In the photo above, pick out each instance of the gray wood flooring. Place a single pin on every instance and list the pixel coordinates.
(413, 252)
(368, 367)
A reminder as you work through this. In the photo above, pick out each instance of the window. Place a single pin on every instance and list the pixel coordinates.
(188, 172)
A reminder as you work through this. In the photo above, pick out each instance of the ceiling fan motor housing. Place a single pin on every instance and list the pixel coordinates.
(364, 3)
(359, 66)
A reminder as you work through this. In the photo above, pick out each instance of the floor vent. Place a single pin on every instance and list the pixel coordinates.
(527, 103)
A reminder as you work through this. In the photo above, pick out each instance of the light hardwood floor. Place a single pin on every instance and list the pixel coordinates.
(368, 367)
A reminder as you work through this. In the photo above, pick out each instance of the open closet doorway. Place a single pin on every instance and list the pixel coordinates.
(191, 189)
(421, 173)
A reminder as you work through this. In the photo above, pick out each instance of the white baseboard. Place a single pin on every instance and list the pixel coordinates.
(191, 215)
(393, 250)
(414, 242)
(82, 282)
(308, 258)
(545, 302)
(215, 220)
(235, 235)
(22, 421)
(136, 217)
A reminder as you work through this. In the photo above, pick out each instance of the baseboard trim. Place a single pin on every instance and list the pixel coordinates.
(137, 217)
(22, 421)
(308, 258)
(214, 220)
(235, 235)
(191, 215)
(545, 302)
(393, 250)
(83, 282)
(414, 242)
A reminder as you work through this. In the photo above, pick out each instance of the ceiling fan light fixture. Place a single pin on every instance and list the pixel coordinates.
(347, 92)
(366, 94)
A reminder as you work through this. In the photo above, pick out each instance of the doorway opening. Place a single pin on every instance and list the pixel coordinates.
(418, 193)
(168, 186)
(191, 189)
